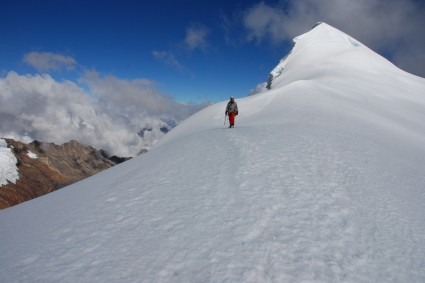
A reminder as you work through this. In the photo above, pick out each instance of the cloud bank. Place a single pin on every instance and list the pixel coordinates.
(390, 27)
(119, 116)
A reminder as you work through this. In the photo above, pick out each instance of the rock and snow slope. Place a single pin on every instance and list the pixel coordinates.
(31, 170)
(322, 180)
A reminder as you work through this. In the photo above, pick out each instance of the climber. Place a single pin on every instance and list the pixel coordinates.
(232, 111)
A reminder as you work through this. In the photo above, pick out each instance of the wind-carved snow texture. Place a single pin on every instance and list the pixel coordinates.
(321, 180)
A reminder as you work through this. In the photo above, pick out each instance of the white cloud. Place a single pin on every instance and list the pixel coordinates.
(263, 21)
(392, 27)
(47, 61)
(133, 97)
(168, 58)
(196, 37)
(109, 116)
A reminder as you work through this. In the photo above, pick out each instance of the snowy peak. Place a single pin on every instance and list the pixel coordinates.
(327, 71)
(324, 33)
(322, 46)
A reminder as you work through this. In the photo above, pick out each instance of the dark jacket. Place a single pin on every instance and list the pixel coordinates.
(232, 106)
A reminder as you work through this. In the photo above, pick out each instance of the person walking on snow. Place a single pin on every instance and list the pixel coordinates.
(232, 111)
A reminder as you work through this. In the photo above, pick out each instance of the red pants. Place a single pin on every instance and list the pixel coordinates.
(232, 118)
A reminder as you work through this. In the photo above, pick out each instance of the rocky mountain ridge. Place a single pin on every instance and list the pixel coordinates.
(46, 167)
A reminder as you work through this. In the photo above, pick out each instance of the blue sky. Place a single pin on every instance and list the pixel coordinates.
(182, 46)
(193, 50)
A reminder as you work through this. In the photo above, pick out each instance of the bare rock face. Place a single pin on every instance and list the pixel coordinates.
(54, 167)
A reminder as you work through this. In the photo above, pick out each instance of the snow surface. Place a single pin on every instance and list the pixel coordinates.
(8, 168)
(32, 155)
(322, 180)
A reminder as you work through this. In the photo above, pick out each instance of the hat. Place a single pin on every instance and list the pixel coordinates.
(232, 97)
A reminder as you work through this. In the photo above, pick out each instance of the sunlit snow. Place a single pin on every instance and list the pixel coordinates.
(32, 155)
(8, 169)
(321, 180)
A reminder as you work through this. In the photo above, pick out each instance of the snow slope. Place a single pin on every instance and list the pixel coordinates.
(8, 169)
(322, 180)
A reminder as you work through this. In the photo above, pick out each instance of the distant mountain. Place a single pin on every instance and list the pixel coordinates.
(46, 167)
